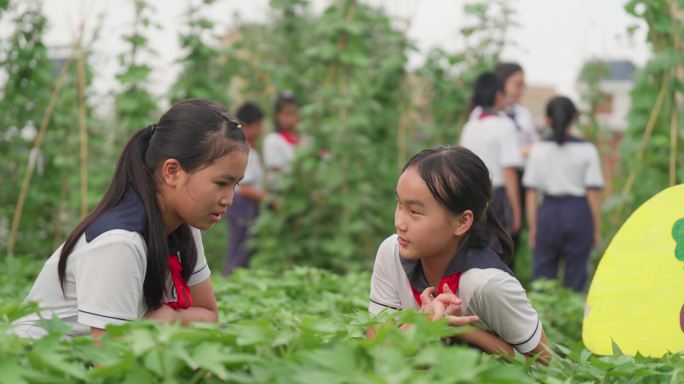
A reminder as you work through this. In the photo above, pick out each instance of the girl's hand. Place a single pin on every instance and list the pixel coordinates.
(164, 315)
(445, 305)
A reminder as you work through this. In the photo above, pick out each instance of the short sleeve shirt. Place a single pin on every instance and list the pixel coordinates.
(278, 155)
(563, 170)
(254, 174)
(103, 283)
(488, 291)
(493, 139)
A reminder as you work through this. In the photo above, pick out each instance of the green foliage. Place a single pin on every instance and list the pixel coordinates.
(330, 216)
(448, 77)
(25, 96)
(203, 74)
(663, 69)
(305, 326)
(591, 76)
(135, 107)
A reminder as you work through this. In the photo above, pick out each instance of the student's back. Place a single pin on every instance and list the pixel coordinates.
(564, 170)
(493, 138)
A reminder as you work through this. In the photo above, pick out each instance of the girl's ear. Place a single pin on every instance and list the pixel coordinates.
(463, 223)
(171, 172)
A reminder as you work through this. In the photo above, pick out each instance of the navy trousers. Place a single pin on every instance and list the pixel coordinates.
(241, 216)
(565, 232)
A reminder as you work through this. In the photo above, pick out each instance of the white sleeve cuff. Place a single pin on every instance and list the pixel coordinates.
(199, 275)
(524, 346)
(375, 307)
(100, 320)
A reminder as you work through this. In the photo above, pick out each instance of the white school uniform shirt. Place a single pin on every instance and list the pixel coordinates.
(487, 288)
(522, 119)
(104, 276)
(563, 170)
(493, 139)
(278, 153)
(254, 173)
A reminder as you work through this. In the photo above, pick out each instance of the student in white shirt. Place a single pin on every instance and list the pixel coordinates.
(492, 137)
(279, 146)
(448, 256)
(566, 171)
(139, 254)
(249, 195)
(513, 78)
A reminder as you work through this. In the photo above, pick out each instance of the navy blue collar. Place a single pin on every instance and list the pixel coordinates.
(128, 214)
(481, 258)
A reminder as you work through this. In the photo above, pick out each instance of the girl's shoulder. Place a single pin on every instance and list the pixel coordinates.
(388, 249)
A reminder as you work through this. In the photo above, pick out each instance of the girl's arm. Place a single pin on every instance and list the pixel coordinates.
(594, 199)
(510, 177)
(542, 349)
(204, 307)
(487, 342)
(531, 198)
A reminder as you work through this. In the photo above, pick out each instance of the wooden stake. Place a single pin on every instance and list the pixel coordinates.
(83, 124)
(627, 189)
(19, 208)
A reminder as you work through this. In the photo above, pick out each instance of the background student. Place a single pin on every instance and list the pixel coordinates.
(139, 253)
(566, 171)
(279, 146)
(448, 255)
(249, 195)
(492, 137)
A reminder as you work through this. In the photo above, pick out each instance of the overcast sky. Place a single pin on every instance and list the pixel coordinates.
(553, 40)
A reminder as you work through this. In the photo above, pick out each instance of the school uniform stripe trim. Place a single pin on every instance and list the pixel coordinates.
(201, 269)
(529, 338)
(109, 317)
(384, 305)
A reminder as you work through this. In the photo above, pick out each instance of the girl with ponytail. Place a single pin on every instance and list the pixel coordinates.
(448, 256)
(566, 171)
(139, 253)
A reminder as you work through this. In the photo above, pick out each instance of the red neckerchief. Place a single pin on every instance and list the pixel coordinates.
(485, 115)
(183, 297)
(452, 281)
(290, 137)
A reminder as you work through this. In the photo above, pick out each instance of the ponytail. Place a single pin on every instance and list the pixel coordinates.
(561, 112)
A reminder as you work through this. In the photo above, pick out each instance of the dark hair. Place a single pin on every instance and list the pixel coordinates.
(562, 112)
(486, 87)
(194, 132)
(459, 181)
(249, 113)
(284, 99)
(506, 70)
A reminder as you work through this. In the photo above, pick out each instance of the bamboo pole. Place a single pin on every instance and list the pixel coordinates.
(650, 125)
(83, 127)
(677, 17)
(19, 208)
(673, 142)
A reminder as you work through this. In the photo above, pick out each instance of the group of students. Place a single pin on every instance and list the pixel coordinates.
(278, 151)
(559, 168)
(139, 254)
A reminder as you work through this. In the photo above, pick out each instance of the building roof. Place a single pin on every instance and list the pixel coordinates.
(610, 70)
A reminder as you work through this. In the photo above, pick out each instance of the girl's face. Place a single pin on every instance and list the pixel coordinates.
(514, 87)
(201, 198)
(288, 117)
(425, 228)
